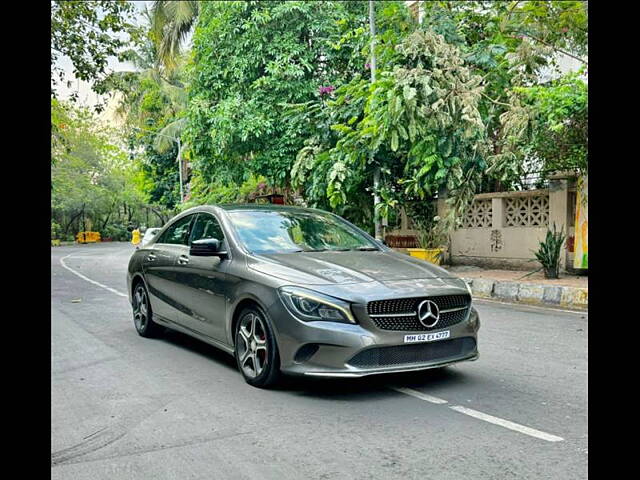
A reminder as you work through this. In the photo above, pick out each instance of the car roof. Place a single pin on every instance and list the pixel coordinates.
(247, 207)
(269, 207)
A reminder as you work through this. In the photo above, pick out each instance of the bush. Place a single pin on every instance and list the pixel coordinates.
(116, 232)
(548, 253)
(56, 230)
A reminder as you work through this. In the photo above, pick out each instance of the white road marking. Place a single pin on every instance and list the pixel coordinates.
(420, 395)
(532, 432)
(112, 290)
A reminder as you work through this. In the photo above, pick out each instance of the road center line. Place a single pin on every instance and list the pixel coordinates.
(112, 290)
(532, 432)
(420, 395)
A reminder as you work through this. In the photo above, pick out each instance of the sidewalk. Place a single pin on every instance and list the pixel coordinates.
(569, 291)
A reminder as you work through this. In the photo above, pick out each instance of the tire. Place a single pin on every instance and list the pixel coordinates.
(142, 315)
(256, 350)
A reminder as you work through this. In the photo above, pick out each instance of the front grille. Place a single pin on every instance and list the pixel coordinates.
(413, 354)
(382, 312)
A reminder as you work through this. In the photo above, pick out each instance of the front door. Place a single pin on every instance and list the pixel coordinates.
(202, 282)
(160, 271)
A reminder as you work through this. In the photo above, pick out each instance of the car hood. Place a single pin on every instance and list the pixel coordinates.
(340, 268)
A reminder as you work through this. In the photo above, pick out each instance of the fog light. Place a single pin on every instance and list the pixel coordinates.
(305, 352)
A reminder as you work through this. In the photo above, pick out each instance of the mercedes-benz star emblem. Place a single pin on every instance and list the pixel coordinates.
(428, 313)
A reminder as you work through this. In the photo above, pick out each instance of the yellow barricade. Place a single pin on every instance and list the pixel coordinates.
(88, 237)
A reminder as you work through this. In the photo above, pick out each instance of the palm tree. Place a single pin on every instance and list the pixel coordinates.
(160, 61)
(172, 21)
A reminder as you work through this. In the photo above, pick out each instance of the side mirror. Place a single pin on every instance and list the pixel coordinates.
(206, 247)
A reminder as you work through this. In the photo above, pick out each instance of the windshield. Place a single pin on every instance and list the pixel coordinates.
(296, 231)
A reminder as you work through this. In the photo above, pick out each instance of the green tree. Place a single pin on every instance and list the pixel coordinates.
(94, 183)
(547, 123)
(89, 33)
(509, 44)
(172, 21)
(438, 117)
(249, 59)
(153, 103)
(420, 120)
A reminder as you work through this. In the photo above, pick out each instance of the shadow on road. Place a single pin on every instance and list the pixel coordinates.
(367, 388)
(352, 389)
(196, 346)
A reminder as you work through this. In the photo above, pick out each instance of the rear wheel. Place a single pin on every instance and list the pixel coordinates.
(256, 350)
(142, 316)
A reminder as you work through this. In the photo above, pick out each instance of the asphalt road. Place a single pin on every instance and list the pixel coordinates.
(127, 407)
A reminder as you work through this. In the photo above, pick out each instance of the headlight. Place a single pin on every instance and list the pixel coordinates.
(312, 306)
(474, 319)
(468, 287)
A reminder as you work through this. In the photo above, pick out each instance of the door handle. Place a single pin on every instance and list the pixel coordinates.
(151, 257)
(183, 259)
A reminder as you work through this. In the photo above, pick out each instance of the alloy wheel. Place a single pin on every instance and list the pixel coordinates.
(140, 308)
(252, 345)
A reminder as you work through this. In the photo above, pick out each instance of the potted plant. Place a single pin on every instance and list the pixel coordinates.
(432, 241)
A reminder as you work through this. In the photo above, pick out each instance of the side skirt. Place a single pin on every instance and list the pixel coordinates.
(165, 322)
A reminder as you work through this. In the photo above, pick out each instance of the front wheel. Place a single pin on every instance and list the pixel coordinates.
(142, 316)
(256, 349)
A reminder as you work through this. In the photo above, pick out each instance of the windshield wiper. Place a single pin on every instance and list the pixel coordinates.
(367, 249)
(315, 250)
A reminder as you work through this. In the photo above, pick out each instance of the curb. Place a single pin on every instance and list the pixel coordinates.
(530, 293)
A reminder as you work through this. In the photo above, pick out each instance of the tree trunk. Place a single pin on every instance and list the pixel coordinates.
(104, 224)
(66, 229)
(158, 214)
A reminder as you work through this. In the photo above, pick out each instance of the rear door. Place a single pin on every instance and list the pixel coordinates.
(201, 284)
(160, 271)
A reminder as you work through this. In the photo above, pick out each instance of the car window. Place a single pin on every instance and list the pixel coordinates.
(178, 233)
(296, 231)
(206, 226)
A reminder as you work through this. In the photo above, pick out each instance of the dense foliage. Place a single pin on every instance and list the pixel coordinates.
(89, 33)
(547, 124)
(152, 104)
(457, 107)
(419, 122)
(278, 95)
(249, 58)
(94, 183)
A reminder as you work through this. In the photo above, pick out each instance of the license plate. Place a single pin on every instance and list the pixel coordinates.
(427, 337)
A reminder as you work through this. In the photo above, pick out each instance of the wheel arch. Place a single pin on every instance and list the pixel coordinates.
(246, 301)
(136, 279)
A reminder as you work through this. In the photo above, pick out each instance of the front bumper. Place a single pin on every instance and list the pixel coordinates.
(331, 349)
(396, 369)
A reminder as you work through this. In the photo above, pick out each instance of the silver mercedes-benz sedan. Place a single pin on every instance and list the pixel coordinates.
(298, 291)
